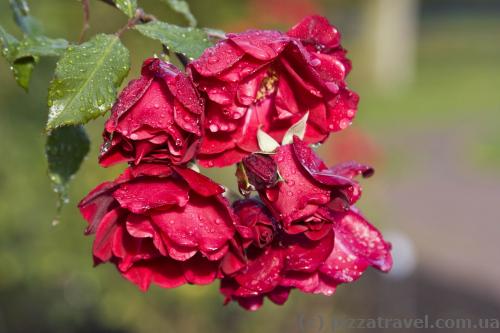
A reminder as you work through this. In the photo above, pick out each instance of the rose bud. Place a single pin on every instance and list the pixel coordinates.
(253, 215)
(268, 80)
(261, 170)
(157, 116)
(159, 224)
(255, 226)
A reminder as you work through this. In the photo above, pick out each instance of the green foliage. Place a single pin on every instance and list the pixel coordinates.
(127, 6)
(86, 79)
(190, 42)
(8, 44)
(182, 7)
(22, 68)
(27, 52)
(23, 56)
(27, 23)
(41, 46)
(65, 149)
(87, 75)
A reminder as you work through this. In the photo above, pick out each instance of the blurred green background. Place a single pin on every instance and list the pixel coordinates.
(428, 73)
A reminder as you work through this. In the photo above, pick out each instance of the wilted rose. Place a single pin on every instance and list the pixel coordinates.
(156, 117)
(349, 247)
(308, 188)
(160, 224)
(269, 80)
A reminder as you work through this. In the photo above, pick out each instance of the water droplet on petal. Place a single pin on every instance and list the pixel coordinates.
(315, 62)
(344, 123)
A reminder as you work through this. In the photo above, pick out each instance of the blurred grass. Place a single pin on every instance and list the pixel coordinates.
(458, 75)
(46, 272)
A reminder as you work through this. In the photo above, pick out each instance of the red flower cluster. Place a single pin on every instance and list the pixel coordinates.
(162, 222)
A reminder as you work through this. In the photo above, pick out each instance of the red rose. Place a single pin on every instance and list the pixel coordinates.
(270, 80)
(349, 247)
(157, 116)
(160, 224)
(308, 188)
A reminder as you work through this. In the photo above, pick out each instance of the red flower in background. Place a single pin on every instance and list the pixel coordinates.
(160, 224)
(348, 248)
(269, 80)
(158, 116)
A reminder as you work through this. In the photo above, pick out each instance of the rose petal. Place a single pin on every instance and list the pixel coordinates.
(201, 223)
(186, 120)
(127, 98)
(199, 270)
(262, 272)
(303, 254)
(167, 273)
(103, 242)
(251, 303)
(315, 167)
(279, 295)
(316, 29)
(130, 249)
(260, 44)
(298, 195)
(97, 204)
(242, 69)
(220, 160)
(199, 183)
(217, 58)
(184, 91)
(146, 111)
(352, 169)
(140, 275)
(342, 110)
(139, 226)
(357, 245)
(140, 196)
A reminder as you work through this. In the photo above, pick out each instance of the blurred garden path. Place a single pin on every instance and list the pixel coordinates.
(448, 204)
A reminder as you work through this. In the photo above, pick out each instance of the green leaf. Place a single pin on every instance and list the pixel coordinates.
(27, 56)
(65, 149)
(182, 7)
(9, 44)
(127, 6)
(21, 68)
(86, 79)
(27, 23)
(41, 46)
(191, 42)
